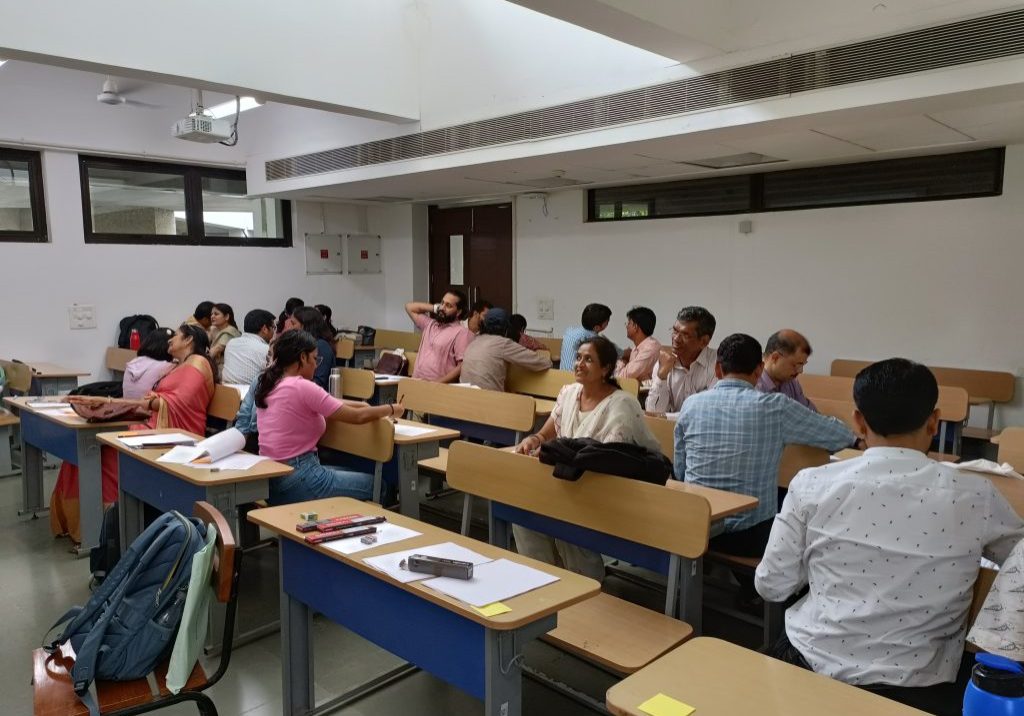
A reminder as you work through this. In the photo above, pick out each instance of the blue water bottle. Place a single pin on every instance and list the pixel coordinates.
(996, 687)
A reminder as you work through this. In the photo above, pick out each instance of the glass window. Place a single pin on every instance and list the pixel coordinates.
(127, 201)
(21, 196)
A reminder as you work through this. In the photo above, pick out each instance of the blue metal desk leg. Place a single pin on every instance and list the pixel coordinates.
(412, 489)
(691, 592)
(297, 696)
(6, 464)
(90, 491)
(31, 479)
(130, 517)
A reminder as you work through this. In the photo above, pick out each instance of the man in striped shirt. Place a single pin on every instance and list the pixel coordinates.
(689, 367)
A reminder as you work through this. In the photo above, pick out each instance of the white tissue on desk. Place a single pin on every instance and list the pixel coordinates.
(987, 467)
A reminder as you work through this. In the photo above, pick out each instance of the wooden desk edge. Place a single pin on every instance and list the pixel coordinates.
(503, 622)
(21, 403)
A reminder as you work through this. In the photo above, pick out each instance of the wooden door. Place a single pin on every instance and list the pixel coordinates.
(483, 234)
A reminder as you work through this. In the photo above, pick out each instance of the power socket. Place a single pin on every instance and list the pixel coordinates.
(545, 309)
(81, 317)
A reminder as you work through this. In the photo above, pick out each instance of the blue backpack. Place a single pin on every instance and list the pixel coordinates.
(130, 621)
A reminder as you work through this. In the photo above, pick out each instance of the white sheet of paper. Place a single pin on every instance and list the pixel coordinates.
(386, 534)
(492, 582)
(412, 430)
(388, 563)
(242, 388)
(219, 446)
(165, 439)
(238, 461)
(181, 454)
(987, 467)
(384, 377)
(47, 405)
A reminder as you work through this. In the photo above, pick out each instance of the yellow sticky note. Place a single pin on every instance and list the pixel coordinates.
(493, 610)
(661, 705)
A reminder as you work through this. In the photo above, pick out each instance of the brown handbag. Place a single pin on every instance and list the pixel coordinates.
(114, 411)
(392, 364)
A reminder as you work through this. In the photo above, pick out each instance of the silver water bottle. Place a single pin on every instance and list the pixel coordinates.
(334, 383)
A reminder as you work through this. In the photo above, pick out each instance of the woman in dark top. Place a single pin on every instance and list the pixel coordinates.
(312, 321)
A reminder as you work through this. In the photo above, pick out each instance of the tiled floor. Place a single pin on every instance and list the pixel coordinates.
(41, 580)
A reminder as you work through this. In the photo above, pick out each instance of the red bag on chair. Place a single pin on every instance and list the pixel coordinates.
(392, 364)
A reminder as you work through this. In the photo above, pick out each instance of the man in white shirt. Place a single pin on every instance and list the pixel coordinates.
(244, 361)
(889, 546)
(689, 367)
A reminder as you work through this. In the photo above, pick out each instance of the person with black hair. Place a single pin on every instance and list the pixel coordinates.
(327, 313)
(638, 362)
(593, 321)
(688, 367)
(517, 326)
(444, 340)
(477, 313)
(152, 363)
(289, 308)
(889, 545)
(292, 412)
(592, 407)
(732, 436)
(201, 316)
(246, 356)
(312, 321)
(786, 352)
(487, 358)
(223, 330)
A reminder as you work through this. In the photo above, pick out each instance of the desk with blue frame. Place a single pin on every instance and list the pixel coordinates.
(450, 639)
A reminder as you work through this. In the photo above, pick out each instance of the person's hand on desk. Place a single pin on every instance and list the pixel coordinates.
(530, 445)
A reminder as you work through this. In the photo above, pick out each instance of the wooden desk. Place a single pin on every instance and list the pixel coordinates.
(447, 638)
(721, 679)
(723, 504)
(404, 466)
(69, 437)
(143, 480)
(54, 379)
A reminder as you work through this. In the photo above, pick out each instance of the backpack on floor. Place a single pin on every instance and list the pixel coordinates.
(130, 621)
(104, 556)
(141, 322)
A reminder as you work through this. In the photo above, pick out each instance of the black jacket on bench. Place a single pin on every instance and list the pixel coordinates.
(573, 456)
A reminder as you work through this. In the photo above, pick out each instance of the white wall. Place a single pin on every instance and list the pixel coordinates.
(937, 281)
(38, 282)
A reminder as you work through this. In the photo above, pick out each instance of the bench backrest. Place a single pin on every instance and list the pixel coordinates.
(345, 348)
(510, 411)
(553, 346)
(547, 383)
(374, 440)
(994, 385)
(842, 409)
(357, 383)
(408, 340)
(19, 376)
(1011, 447)
(225, 403)
(117, 358)
(653, 515)
(411, 357)
(800, 457)
(665, 431)
(954, 402)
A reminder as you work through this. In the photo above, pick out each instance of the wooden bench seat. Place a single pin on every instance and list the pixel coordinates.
(734, 560)
(436, 464)
(617, 634)
(54, 695)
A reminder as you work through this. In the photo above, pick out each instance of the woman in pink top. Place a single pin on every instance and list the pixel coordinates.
(292, 412)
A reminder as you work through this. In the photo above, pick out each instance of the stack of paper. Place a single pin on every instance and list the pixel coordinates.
(140, 441)
(388, 563)
(412, 431)
(47, 405)
(386, 534)
(223, 450)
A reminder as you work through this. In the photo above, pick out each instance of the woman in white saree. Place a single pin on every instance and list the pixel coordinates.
(592, 407)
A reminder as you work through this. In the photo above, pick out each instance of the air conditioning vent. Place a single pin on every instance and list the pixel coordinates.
(958, 43)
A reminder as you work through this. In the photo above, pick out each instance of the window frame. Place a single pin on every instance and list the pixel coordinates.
(37, 197)
(193, 176)
(756, 190)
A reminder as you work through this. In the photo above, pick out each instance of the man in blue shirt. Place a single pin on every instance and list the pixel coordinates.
(731, 438)
(594, 320)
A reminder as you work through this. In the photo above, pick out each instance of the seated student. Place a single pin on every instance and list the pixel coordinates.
(201, 316)
(292, 412)
(639, 362)
(593, 321)
(289, 307)
(477, 312)
(732, 436)
(223, 329)
(311, 321)
(889, 545)
(592, 407)
(444, 341)
(785, 355)
(517, 323)
(327, 313)
(485, 364)
(151, 364)
(246, 356)
(689, 367)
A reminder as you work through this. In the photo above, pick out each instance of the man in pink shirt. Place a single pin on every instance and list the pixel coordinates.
(639, 362)
(444, 338)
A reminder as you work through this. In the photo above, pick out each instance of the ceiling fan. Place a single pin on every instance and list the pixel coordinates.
(110, 95)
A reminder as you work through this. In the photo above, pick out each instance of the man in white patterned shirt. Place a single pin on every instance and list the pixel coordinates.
(889, 546)
(689, 367)
(244, 361)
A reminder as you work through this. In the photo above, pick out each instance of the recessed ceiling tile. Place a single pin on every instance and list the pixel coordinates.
(799, 146)
(895, 133)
